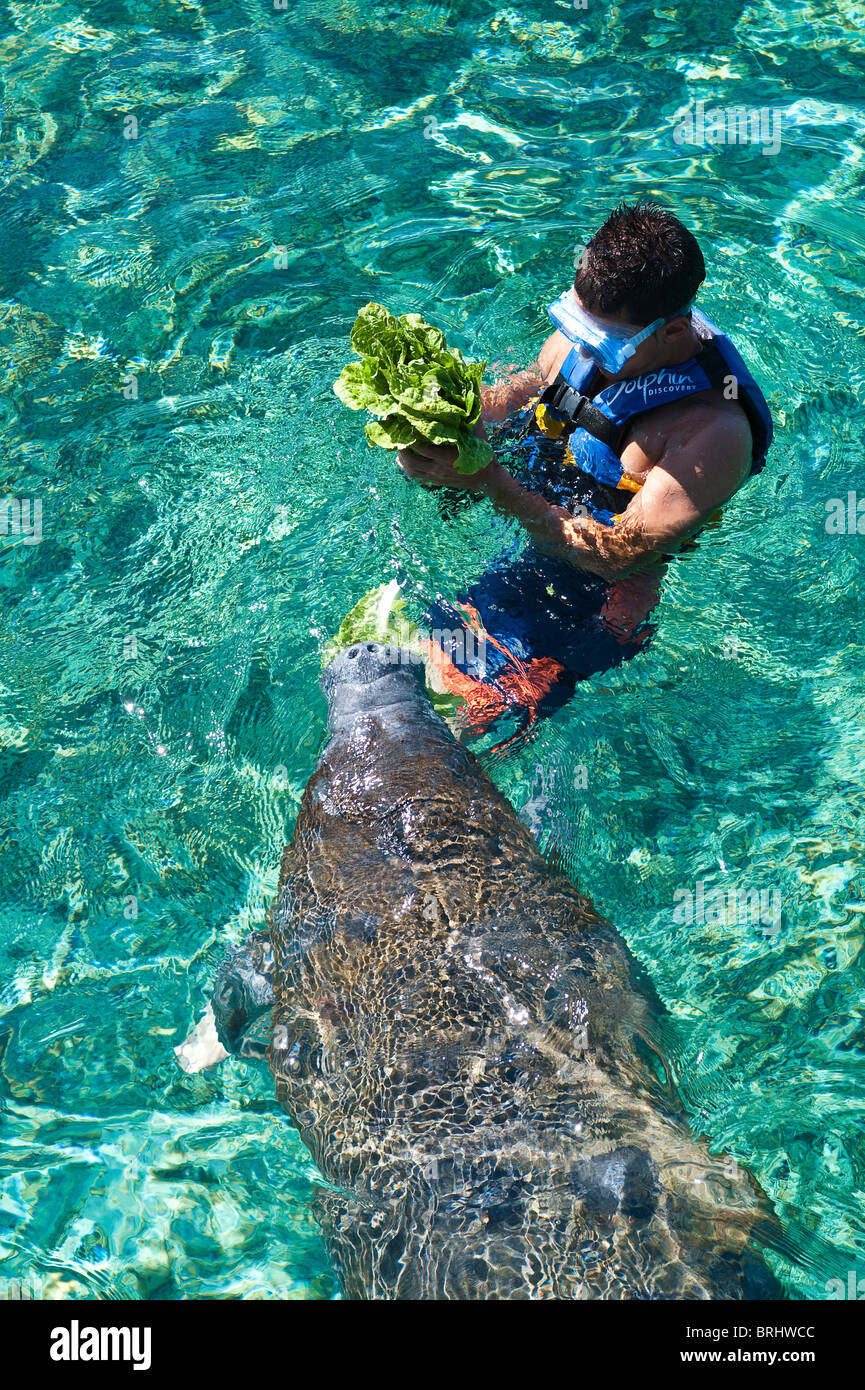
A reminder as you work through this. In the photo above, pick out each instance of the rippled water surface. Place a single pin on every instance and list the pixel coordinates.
(196, 197)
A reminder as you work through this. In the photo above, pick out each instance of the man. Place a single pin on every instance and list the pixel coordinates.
(657, 422)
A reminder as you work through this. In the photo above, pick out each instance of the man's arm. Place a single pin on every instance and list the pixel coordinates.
(582, 542)
(701, 464)
(512, 392)
(701, 467)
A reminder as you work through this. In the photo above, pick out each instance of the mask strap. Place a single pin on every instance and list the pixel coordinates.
(633, 343)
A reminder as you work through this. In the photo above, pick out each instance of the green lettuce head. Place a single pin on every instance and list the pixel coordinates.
(418, 389)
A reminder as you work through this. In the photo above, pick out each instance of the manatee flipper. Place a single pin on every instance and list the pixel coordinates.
(623, 1181)
(237, 1020)
(243, 993)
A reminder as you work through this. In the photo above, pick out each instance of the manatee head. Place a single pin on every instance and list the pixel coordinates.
(368, 677)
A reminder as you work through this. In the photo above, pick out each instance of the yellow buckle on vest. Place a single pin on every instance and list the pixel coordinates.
(548, 424)
(629, 484)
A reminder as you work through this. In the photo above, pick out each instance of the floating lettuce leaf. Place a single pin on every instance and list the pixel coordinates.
(420, 390)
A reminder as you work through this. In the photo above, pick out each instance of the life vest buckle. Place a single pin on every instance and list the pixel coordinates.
(562, 407)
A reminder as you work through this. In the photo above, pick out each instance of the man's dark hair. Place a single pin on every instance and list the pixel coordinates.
(642, 264)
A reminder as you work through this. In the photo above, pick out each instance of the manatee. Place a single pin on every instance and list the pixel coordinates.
(464, 1044)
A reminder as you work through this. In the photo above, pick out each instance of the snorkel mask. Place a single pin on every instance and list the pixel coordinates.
(609, 347)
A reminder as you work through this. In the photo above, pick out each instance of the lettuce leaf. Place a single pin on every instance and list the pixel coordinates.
(419, 389)
(380, 616)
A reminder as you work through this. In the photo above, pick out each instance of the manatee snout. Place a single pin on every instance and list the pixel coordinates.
(369, 676)
(363, 663)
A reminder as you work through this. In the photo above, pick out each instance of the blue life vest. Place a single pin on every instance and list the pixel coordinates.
(601, 423)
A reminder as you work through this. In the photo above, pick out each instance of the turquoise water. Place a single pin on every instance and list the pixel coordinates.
(177, 291)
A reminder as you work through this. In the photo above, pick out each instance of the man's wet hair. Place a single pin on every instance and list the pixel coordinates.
(642, 264)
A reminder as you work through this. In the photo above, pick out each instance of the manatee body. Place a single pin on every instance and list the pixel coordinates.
(461, 1043)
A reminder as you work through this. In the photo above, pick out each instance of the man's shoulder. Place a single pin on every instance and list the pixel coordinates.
(702, 446)
(708, 416)
(721, 426)
(708, 450)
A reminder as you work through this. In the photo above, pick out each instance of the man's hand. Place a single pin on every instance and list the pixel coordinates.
(429, 463)
(433, 465)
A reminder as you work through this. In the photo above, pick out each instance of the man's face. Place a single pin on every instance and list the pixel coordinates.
(654, 352)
